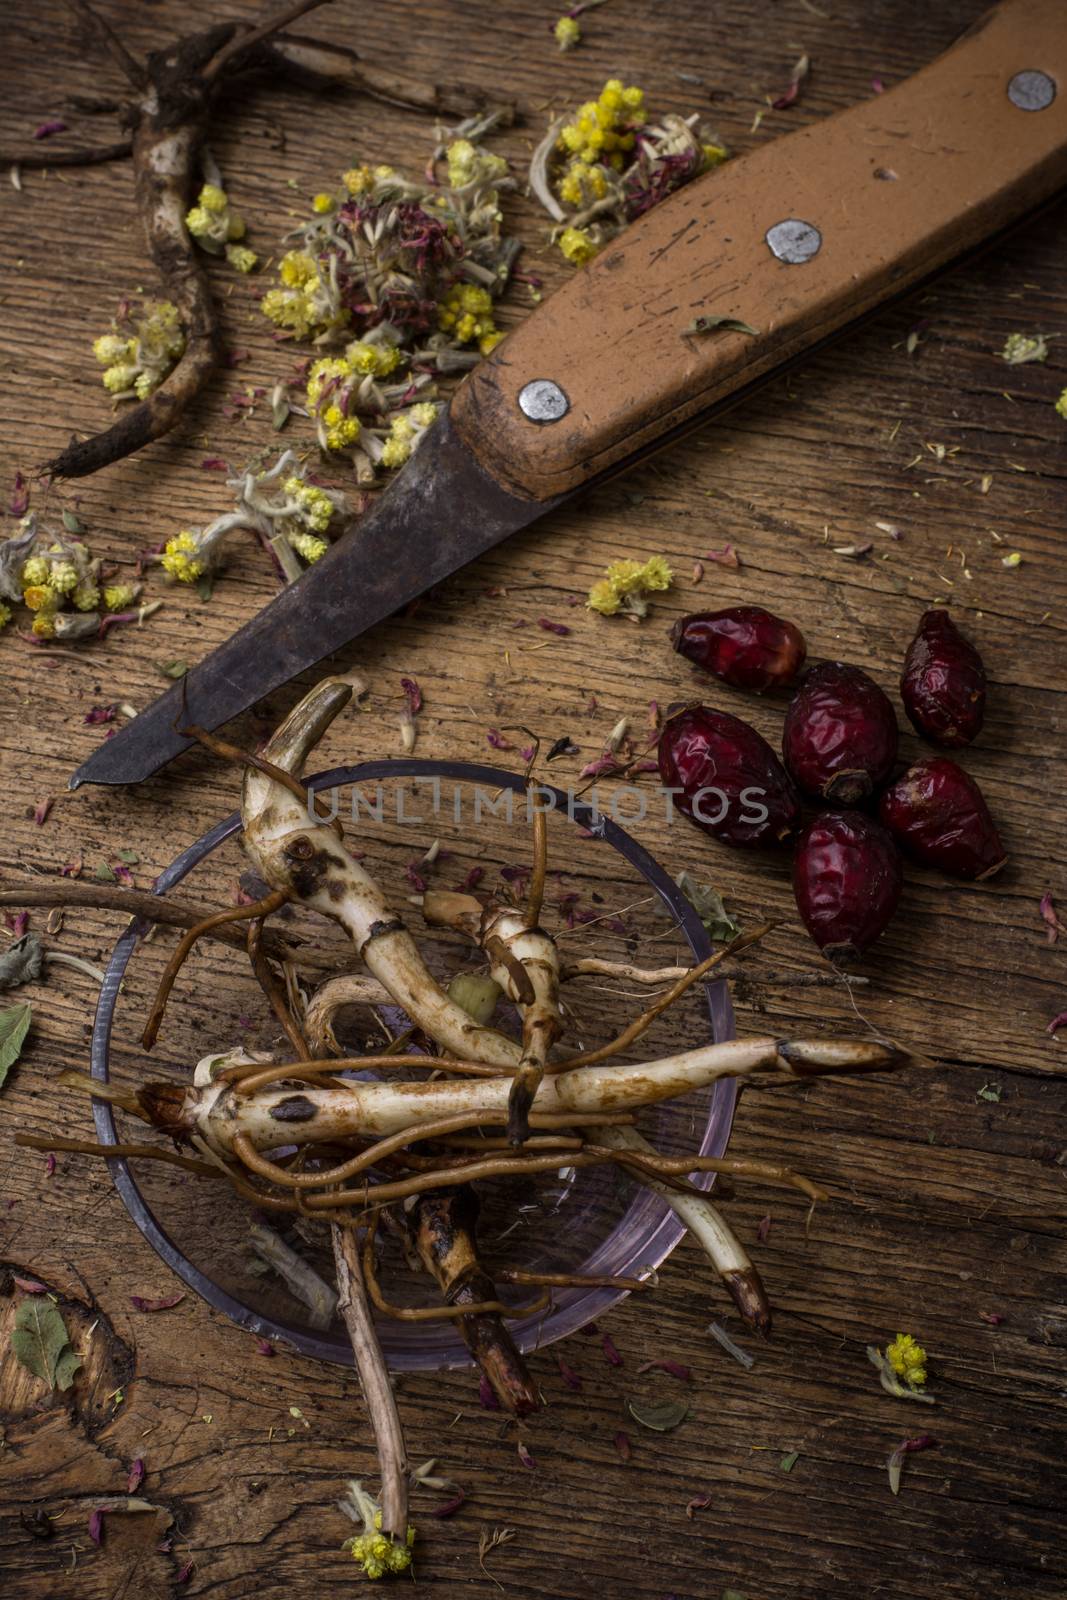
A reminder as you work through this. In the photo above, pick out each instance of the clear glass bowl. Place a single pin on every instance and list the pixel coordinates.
(595, 1221)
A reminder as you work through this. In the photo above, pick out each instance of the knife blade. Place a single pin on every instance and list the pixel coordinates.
(799, 239)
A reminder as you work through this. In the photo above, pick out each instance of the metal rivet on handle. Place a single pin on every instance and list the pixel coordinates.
(794, 241)
(1031, 90)
(543, 401)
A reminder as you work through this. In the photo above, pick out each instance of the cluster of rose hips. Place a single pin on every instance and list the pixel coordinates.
(839, 748)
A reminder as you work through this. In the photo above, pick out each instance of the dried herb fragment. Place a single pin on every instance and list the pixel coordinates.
(720, 325)
(720, 1335)
(1019, 348)
(41, 1343)
(708, 905)
(625, 588)
(21, 962)
(901, 1369)
(789, 1460)
(14, 1026)
(659, 1416)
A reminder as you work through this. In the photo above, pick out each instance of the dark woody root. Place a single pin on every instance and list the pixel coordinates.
(176, 91)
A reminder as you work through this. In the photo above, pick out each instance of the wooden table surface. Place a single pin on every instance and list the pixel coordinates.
(947, 1182)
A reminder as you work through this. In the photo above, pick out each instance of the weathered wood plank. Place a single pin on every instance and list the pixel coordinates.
(945, 1207)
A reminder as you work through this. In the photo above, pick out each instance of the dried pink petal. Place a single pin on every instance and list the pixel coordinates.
(96, 1526)
(20, 496)
(623, 1445)
(100, 714)
(1057, 1022)
(448, 1508)
(17, 922)
(495, 738)
(415, 877)
(921, 1441)
(559, 628)
(214, 464)
(601, 767)
(726, 557)
(264, 1347)
(525, 1457)
(763, 1229)
(184, 1573)
(472, 880)
(28, 1285)
(1049, 917)
(135, 1476)
(40, 813)
(608, 1347)
(877, 85)
(45, 130)
(994, 1318)
(571, 1378)
(163, 1303)
(699, 1502)
(50, 1165)
(486, 1395)
(411, 689)
(675, 1369)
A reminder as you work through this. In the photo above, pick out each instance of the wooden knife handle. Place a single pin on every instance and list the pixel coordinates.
(896, 187)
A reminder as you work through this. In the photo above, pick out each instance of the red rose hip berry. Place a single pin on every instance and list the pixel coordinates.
(728, 779)
(944, 683)
(846, 878)
(940, 816)
(745, 646)
(840, 735)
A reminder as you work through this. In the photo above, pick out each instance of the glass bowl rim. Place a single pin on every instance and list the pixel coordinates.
(571, 1309)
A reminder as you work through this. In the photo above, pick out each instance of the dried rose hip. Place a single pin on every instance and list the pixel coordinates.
(943, 686)
(743, 645)
(940, 816)
(730, 781)
(846, 878)
(840, 735)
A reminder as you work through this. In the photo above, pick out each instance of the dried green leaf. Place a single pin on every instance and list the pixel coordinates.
(41, 1343)
(732, 1594)
(707, 903)
(172, 669)
(14, 1026)
(205, 587)
(991, 1091)
(72, 522)
(789, 1460)
(661, 1416)
(721, 325)
(21, 962)
(105, 874)
(129, 857)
